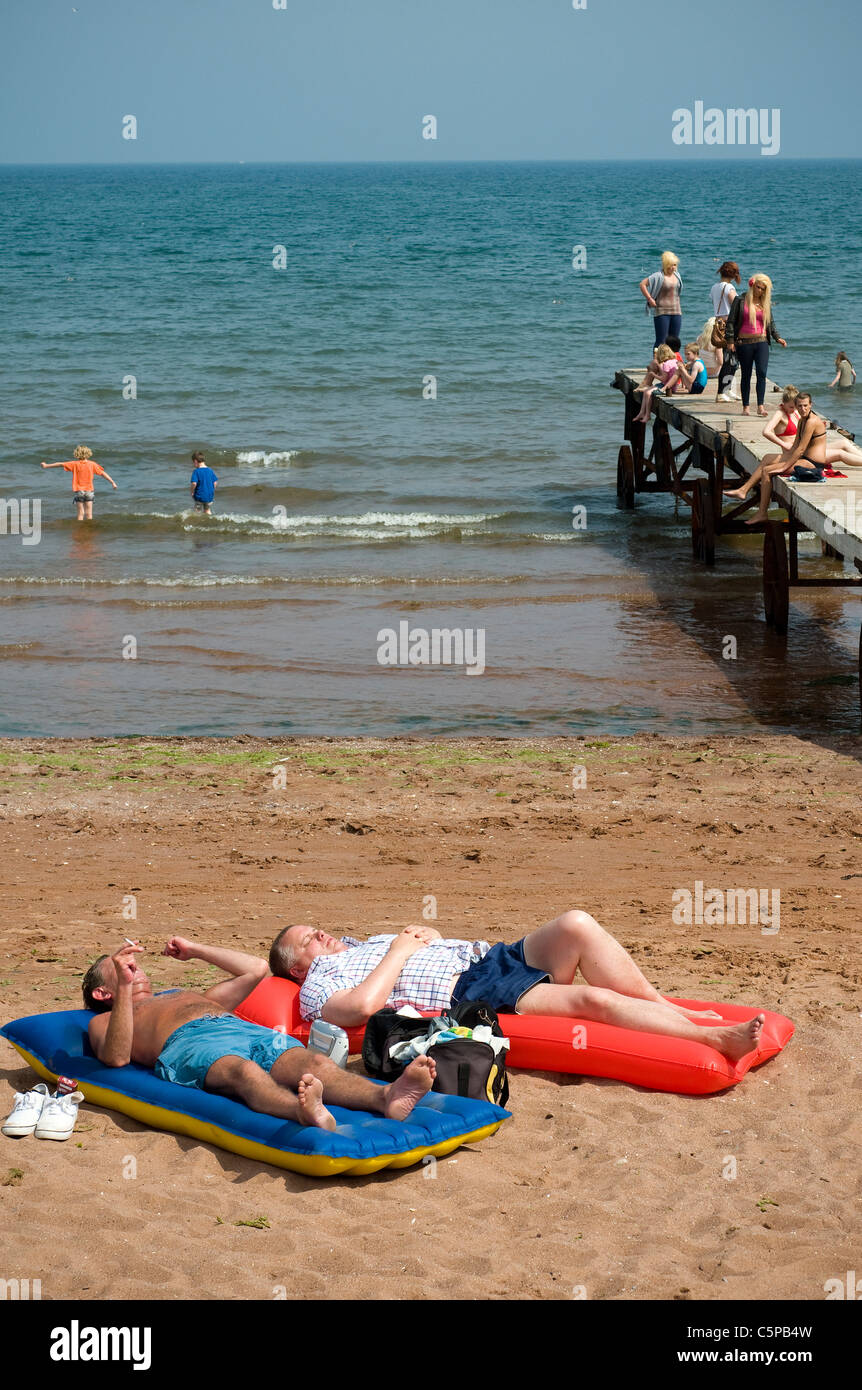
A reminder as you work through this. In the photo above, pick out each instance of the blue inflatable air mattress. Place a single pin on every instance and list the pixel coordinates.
(57, 1045)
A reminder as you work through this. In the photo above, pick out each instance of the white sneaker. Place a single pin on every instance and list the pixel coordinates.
(26, 1111)
(58, 1116)
(722, 396)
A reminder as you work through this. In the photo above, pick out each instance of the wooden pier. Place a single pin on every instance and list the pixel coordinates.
(719, 448)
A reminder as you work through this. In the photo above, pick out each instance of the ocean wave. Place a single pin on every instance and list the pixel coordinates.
(275, 458)
(363, 526)
(179, 581)
(227, 581)
(414, 520)
(372, 527)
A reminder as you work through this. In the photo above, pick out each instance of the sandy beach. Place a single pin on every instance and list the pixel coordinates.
(593, 1188)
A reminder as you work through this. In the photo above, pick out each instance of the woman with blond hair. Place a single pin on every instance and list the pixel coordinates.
(661, 290)
(750, 326)
(783, 427)
(83, 469)
(712, 356)
(665, 369)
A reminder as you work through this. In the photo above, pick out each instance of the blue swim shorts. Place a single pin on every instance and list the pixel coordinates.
(192, 1049)
(500, 978)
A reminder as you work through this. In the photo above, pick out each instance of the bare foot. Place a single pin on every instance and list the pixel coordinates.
(746, 410)
(740, 492)
(413, 1083)
(738, 1040)
(758, 516)
(761, 410)
(312, 1111)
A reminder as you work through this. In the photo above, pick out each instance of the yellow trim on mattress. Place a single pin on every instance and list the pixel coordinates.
(313, 1166)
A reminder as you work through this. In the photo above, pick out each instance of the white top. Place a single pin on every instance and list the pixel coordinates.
(425, 982)
(722, 299)
(710, 361)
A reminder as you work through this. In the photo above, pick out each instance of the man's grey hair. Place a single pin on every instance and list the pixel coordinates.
(93, 980)
(282, 955)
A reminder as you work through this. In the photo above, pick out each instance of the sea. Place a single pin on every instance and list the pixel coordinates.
(401, 375)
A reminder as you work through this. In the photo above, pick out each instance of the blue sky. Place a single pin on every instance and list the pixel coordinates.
(226, 80)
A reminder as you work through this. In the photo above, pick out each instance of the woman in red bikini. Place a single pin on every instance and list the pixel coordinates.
(783, 427)
(783, 430)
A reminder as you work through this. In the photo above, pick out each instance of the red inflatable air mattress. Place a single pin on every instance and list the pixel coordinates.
(573, 1045)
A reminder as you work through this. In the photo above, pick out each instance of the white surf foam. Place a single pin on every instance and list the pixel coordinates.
(277, 458)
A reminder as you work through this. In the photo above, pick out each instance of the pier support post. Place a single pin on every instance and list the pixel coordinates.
(703, 521)
(776, 578)
(663, 461)
(634, 431)
(625, 478)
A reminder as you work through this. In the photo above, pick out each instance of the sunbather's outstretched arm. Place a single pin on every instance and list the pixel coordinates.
(247, 971)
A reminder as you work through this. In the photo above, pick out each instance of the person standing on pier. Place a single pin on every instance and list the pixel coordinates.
(661, 290)
(722, 296)
(750, 326)
(723, 293)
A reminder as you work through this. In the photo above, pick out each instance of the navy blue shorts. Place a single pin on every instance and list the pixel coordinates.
(500, 978)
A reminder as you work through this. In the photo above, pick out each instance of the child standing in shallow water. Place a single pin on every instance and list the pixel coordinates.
(83, 469)
(203, 485)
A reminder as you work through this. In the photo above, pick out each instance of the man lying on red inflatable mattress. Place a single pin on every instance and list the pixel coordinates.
(609, 1022)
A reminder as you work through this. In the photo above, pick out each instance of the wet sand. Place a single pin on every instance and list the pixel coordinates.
(593, 1185)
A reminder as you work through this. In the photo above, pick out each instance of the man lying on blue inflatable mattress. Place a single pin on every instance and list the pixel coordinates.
(194, 1039)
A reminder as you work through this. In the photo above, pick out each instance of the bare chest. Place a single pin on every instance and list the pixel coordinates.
(156, 1019)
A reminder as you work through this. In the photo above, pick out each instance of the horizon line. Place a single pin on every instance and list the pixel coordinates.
(754, 156)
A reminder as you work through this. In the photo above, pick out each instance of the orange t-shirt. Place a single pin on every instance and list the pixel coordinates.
(82, 471)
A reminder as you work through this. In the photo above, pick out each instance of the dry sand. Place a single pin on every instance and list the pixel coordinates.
(592, 1185)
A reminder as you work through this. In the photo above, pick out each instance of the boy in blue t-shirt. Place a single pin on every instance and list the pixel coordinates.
(204, 484)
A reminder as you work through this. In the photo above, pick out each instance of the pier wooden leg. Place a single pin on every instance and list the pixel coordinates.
(703, 521)
(629, 416)
(664, 461)
(722, 453)
(626, 478)
(776, 577)
(637, 439)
